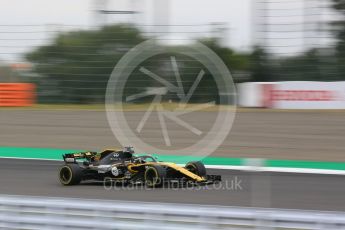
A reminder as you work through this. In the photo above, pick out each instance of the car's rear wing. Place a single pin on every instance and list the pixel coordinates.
(72, 157)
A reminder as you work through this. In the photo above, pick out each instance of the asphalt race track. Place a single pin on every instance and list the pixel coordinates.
(307, 135)
(277, 190)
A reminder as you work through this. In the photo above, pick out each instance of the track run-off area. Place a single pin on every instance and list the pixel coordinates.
(288, 135)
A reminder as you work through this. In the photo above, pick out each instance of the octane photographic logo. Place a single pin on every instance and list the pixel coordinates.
(231, 184)
(138, 131)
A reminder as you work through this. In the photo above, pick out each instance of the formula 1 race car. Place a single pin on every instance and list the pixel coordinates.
(123, 166)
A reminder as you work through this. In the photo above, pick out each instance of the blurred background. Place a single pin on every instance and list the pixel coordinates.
(68, 49)
(287, 61)
(281, 54)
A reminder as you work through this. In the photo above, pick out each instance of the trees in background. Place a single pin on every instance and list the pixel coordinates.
(339, 32)
(316, 64)
(75, 68)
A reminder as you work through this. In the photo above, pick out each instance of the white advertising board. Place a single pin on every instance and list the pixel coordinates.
(304, 95)
(248, 94)
(293, 95)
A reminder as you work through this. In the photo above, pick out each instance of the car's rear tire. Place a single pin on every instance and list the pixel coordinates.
(196, 167)
(155, 176)
(70, 174)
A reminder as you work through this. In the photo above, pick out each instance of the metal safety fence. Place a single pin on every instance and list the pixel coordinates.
(23, 212)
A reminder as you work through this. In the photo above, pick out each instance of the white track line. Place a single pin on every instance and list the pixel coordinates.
(279, 169)
(26, 158)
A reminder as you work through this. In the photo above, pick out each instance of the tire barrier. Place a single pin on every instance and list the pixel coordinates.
(17, 94)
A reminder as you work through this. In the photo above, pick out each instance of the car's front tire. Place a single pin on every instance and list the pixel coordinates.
(155, 176)
(70, 174)
(196, 167)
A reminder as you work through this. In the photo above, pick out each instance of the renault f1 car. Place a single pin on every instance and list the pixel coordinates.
(123, 166)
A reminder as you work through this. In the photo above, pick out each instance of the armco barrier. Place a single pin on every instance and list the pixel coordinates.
(20, 212)
(17, 94)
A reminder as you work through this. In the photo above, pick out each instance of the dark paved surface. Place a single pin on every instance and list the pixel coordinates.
(309, 135)
(294, 191)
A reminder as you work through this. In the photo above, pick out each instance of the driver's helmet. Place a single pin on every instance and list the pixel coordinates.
(128, 152)
(128, 149)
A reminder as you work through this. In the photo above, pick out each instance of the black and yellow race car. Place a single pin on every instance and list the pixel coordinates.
(126, 167)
